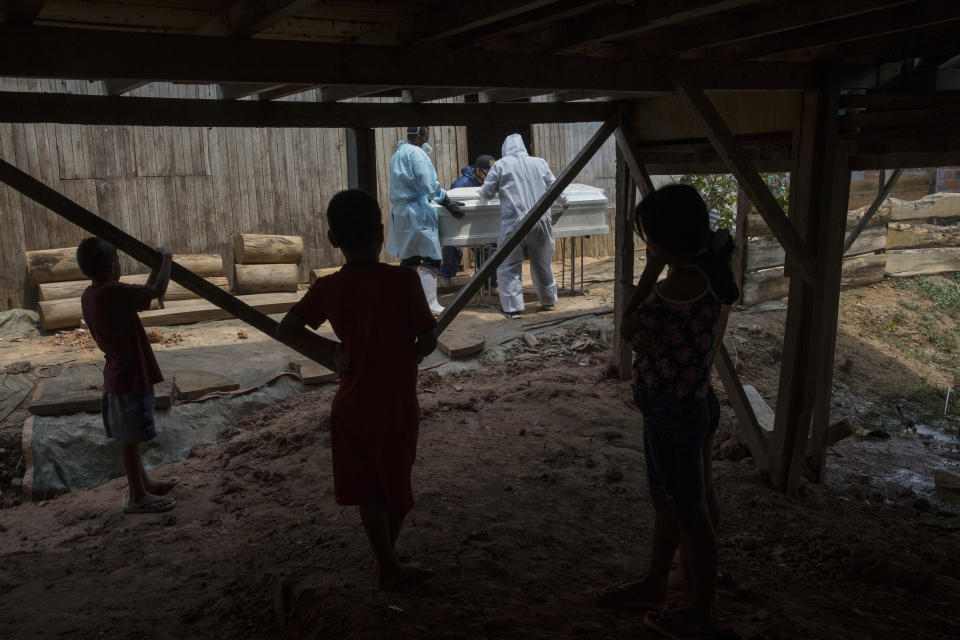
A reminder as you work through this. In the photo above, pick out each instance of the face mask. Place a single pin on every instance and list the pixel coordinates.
(427, 148)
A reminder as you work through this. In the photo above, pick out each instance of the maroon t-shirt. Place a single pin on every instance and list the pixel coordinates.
(110, 311)
(377, 310)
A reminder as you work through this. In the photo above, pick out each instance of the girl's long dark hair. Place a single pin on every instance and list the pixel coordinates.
(675, 218)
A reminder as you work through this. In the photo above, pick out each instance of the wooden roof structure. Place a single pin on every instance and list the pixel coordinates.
(817, 88)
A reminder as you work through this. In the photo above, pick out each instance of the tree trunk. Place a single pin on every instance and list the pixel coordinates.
(253, 248)
(266, 278)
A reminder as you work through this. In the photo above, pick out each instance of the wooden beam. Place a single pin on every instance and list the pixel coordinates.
(533, 216)
(47, 52)
(23, 11)
(638, 171)
(882, 194)
(335, 93)
(455, 19)
(624, 22)
(624, 260)
(758, 21)
(494, 34)
(284, 90)
(80, 109)
(242, 90)
(66, 208)
(915, 15)
(428, 95)
(508, 95)
(249, 17)
(741, 167)
(122, 86)
(362, 160)
(750, 430)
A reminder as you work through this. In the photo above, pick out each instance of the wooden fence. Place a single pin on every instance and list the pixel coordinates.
(904, 238)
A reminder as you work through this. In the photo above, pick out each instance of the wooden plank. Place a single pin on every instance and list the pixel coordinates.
(903, 235)
(937, 205)
(722, 139)
(541, 207)
(249, 17)
(915, 262)
(312, 373)
(624, 265)
(139, 251)
(87, 401)
(765, 415)
(763, 253)
(191, 384)
(147, 56)
(190, 311)
(460, 344)
(770, 284)
(751, 431)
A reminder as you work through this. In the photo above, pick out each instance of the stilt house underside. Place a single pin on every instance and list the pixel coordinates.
(740, 86)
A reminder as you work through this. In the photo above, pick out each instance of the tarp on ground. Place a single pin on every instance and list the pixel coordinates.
(67, 453)
(19, 323)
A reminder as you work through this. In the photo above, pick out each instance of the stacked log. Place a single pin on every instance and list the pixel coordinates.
(60, 283)
(267, 263)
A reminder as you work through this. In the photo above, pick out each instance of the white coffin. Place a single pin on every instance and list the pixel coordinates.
(585, 216)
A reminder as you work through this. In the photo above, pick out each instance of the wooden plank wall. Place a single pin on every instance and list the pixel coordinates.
(190, 189)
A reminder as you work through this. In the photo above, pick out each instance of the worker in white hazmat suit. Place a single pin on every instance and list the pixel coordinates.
(414, 227)
(520, 179)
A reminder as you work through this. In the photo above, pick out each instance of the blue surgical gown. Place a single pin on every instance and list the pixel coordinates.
(413, 222)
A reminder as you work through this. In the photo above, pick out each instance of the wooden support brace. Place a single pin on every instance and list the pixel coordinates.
(637, 169)
(740, 165)
(93, 224)
(623, 277)
(884, 191)
(750, 429)
(539, 209)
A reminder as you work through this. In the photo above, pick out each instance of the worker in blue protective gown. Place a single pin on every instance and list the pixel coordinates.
(520, 179)
(414, 227)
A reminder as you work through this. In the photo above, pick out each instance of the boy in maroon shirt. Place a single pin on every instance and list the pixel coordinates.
(110, 311)
(381, 316)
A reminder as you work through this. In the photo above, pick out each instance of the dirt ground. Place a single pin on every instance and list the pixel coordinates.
(530, 488)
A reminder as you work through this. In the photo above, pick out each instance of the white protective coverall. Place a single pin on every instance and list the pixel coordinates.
(414, 227)
(520, 180)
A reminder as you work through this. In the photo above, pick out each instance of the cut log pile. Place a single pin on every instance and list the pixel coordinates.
(267, 263)
(903, 238)
(60, 283)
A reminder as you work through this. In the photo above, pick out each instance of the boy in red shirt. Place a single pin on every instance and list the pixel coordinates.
(110, 311)
(381, 316)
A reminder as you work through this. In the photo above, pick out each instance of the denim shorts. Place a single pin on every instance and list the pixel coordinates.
(128, 417)
(674, 431)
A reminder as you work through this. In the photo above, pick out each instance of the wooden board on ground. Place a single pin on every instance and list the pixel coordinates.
(904, 235)
(458, 344)
(765, 252)
(189, 311)
(53, 265)
(255, 248)
(75, 288)
(764, 413)
(191, 384)
(769, 284)
(264, 278)
(913, 262)
(312, 373)
(88, 401)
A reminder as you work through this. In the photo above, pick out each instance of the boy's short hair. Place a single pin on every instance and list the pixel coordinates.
(95, 256)
(354, 218)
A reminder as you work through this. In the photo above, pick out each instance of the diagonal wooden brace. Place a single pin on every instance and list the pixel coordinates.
(539, 209)
(90, 222)
(740, 165)
(884, 191)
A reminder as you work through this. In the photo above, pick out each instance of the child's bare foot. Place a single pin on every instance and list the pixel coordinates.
(406, 573)
(162, 486)
(640, 594)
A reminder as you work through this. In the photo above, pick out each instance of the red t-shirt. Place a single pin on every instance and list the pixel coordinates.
(110, 311)
(377, 310)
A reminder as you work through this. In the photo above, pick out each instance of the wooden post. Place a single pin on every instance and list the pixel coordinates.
(623, 268)
(541, 207)
(819, 192)
(742, 225)
(66, 208)
(362, 160)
